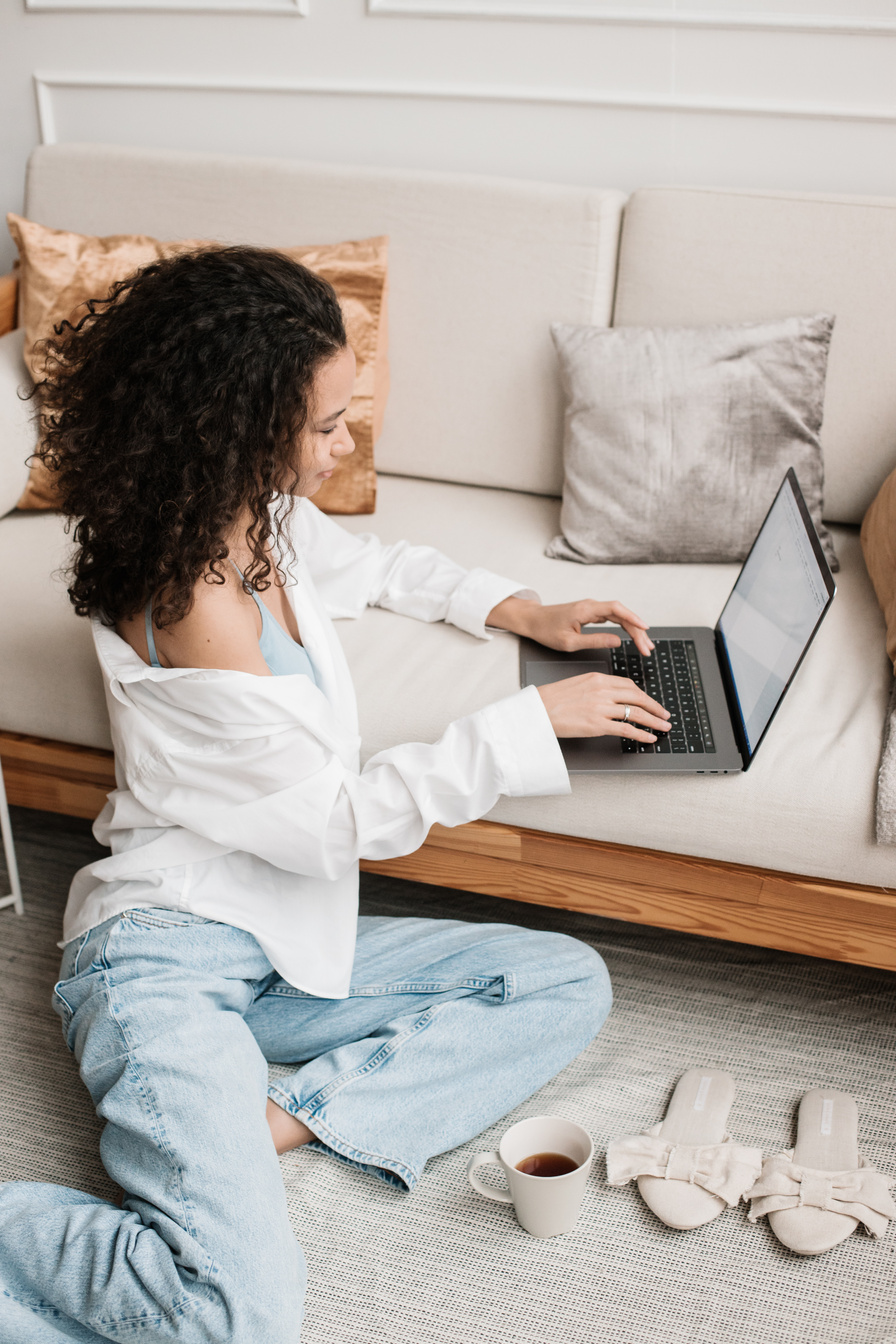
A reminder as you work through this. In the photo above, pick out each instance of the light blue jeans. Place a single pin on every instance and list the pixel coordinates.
(172, 1019)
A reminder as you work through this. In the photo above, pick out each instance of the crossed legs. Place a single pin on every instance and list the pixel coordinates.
(172, 1019)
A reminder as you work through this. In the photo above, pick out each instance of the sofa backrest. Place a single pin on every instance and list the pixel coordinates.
(690, 257)
(479, 268)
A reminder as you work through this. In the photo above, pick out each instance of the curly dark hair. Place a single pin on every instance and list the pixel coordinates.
(174, 405)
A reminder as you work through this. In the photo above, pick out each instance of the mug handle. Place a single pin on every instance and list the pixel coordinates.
(482, 1160)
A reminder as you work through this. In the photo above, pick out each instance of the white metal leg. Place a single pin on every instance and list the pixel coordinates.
(15, 898)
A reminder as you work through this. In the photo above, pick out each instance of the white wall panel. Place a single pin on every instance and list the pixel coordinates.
(856, 157)
(515, 138)
(294, 7)
(858, 72)
(600, 58)
(836, 16)
(859, 12)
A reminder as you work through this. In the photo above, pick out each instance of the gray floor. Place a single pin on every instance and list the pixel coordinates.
(442, 1266)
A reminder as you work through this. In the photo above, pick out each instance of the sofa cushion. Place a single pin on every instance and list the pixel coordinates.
(49, 680)
(691, 256)
(18, 436)
(677, 438)
(879, 548)
(61, 271)
(804, 806)
(479, 268)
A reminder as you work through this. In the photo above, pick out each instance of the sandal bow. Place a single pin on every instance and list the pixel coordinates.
(862, 1194)
(726, 1169)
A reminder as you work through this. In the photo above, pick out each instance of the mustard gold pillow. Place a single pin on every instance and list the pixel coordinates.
(60, 271)
(879, 547)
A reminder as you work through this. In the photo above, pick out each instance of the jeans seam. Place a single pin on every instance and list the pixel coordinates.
(402, 987)
(178, 1309)
(174, 1166)
(109, 986)
(329, 1090)
(69, 1013)
(145, 1090)
(38, 1306)
(76, 967)
(101, 954)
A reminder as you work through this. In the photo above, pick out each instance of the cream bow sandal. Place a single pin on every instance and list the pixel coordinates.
(816, 1194)
(688, 1169)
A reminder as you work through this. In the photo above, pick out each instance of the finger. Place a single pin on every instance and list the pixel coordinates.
(644, 702)
(649, 721)
(624, 689)
(629, 694)
(626, 617)
(637, 714)
(616, 728)
(643, 643)
(581, 641)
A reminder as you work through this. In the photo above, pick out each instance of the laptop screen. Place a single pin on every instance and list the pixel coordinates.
(777, 604)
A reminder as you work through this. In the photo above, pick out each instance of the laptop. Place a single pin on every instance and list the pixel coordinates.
(722, 686)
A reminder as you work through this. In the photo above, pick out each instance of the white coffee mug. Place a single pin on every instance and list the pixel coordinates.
(546, 1206)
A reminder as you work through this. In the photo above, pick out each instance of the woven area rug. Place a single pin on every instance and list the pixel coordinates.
(444, 1266)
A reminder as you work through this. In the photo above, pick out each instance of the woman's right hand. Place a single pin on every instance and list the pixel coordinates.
(594, 704)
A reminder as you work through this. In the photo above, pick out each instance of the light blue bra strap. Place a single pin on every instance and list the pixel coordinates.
(150, 640)
(258, 602)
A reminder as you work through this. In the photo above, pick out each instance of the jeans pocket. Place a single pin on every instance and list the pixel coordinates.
(63, 1008)
(161, 918)
(83, 960)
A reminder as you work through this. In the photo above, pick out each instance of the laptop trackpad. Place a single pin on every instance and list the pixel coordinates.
(539, 674)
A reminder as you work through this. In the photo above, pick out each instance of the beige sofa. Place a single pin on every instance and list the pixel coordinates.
(470, 461)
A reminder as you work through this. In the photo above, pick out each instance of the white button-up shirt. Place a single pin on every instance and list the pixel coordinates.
(241, 798)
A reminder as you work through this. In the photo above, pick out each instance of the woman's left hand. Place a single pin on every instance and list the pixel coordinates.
(560, 626)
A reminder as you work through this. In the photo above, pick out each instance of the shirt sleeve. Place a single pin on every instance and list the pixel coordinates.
(287, 794)
(353, 571)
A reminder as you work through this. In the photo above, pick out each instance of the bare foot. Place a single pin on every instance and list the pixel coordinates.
(286, 1131)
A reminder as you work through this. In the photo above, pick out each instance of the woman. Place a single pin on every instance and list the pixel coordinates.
(189, 420)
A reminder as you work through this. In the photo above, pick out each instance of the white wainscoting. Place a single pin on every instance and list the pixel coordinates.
(840, 19)
(297, 8)
(557, 134)
(779, 94)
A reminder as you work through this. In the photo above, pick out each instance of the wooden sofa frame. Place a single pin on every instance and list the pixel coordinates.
(670, 891)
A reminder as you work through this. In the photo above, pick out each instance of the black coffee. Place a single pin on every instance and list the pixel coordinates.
(547, 1164)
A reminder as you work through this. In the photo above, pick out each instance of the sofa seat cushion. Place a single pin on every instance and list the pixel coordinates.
(805, 806)
(806, 803)
(49, 680)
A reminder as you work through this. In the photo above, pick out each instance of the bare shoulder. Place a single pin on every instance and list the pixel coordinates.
(220, 631)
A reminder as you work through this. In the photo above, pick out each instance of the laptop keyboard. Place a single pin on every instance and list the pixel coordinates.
(670, 675)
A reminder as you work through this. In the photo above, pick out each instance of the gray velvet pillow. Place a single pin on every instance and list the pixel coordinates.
(677, 438)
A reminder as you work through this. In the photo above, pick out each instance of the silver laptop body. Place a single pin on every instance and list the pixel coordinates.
(722, 686)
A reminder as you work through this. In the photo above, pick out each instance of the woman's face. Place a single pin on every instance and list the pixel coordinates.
(326, 438)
